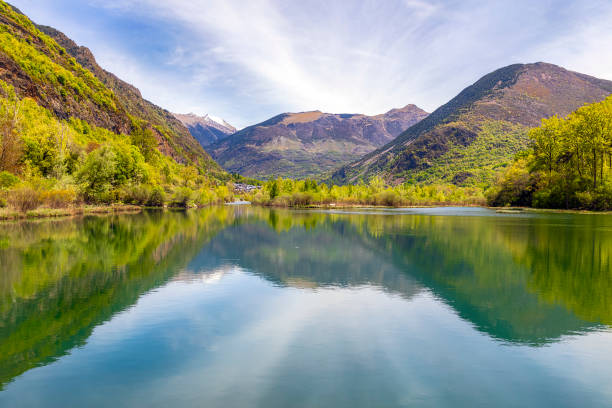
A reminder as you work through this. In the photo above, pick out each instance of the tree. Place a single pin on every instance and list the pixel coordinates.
(61, 141)
(145, 141)
(98, 173)
(514, 187)
(571, 164)
(548, 142)
(274, 190)
(11, 144)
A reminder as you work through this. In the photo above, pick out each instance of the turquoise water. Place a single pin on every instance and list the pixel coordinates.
(245, 306)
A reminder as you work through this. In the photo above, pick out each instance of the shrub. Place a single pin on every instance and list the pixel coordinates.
(301, 199)
(223, 194)
(109, 167)
(603, 198)
(137, 194)
(206, 197)
(259, 198)
(24, 199)
(58, 198)
(183, 197)
(586, 199)
(600, 199)
(101, 197)
(281, 201)
(7, 180)
(157, 197)
(514, 187)
(388, 198)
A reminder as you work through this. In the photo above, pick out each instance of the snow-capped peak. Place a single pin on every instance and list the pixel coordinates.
(192, 119)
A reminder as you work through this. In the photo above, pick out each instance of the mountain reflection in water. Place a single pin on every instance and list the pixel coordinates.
(523, 280)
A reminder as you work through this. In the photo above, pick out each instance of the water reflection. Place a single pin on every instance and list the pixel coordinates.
(60, 279)
(522, 280)
(527, 280)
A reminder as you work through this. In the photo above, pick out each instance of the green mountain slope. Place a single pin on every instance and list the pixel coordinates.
(43, 64)
(469, 139)
(308, 144)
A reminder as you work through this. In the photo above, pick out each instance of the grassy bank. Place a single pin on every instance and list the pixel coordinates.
(547, 210)
(10, 214)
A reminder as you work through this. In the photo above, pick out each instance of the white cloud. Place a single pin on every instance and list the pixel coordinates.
(337, 58)
(586, 49)
(247, 61)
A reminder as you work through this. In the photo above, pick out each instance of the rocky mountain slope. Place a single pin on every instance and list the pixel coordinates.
(308, 144)
(469, 139)
(47, 66)
(205, 129)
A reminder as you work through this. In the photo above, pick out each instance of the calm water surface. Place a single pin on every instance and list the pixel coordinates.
(251, 307)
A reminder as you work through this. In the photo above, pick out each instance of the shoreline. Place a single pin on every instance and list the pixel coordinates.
(508, 210)
(7, 214)
(548, 210)
(45, 213)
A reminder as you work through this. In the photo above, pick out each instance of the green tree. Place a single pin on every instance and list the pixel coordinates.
(11, 144)
(98, 174)
(548, 142)
(273, 189)
(145, 141)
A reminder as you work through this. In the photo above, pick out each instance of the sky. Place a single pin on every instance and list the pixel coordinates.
(246, 61)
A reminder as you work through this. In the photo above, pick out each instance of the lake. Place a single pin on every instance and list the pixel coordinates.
(253, 307)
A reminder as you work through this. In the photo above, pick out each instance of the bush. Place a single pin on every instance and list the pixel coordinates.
(183, 197)
(600, 199)
(585, 199)
(603, 198)
(282, 201)
(58, 198)
(206, 197)
(301, 199)
(514, 187)
(102, 197)
(388, 198)
(223, 194)
(157, 197)
(137, 195)
(24, 199)
(109, 167)
(7, 180)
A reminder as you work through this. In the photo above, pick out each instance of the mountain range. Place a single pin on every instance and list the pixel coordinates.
(308, 144)
(206, 129)
(469, 139)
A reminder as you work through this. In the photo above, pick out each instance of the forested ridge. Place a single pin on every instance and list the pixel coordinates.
(569, 164)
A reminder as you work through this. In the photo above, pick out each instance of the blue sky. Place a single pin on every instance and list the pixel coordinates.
(246, 61)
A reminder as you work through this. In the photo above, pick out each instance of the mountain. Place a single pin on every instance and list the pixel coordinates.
(45, 65)
(308, 144)
(206, 129)
(468, 140)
